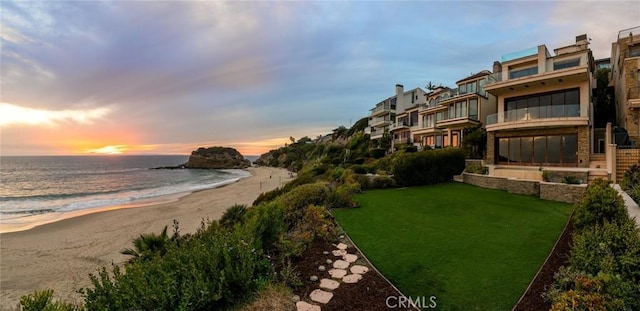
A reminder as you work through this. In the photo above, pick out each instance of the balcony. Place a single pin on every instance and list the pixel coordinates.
(519, 54)
(380, 121)
(376, 133)
(382, 109)
(399, 126)
(542, 116)
(540, 81)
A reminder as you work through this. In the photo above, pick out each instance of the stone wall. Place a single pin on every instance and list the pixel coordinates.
(511, 185)
(561, 192)
(545, 190)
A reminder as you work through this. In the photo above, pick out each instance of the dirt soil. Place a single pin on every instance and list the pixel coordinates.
(370, 293)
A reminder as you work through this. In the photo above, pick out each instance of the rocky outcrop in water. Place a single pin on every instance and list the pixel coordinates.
(217, 158)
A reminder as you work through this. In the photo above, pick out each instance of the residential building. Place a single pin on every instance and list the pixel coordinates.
(544, 109)
(469, 107)
(625, 77)
(384, 114)
(428, 133)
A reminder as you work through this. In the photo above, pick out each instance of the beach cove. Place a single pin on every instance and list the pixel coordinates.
(60, 255)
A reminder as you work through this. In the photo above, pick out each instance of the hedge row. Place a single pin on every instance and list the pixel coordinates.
(428, 167)
(604, 271)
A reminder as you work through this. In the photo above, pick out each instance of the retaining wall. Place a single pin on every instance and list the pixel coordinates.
(545, 190)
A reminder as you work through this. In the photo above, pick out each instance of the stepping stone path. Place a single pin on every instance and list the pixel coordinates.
(350, 258)
(321, 296)
(352, 278)
(339, 252)
(339, 271)
(341, 264)
(305, 306)
(357, 269)
(329, 284)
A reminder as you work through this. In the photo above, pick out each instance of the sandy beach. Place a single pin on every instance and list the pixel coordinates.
(60, 255)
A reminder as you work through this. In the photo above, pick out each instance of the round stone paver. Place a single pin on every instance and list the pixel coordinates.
(341, 246)
(329, 284)
(321, 296)
(352, 278)
(340, 264)
(350, 258)
(305, 306)
(357, 269)
(337, 273)
(339, 252)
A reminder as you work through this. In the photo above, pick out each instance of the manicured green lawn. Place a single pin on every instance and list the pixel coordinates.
(472, 248)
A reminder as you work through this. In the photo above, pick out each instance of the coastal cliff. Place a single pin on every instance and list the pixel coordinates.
(217, 158)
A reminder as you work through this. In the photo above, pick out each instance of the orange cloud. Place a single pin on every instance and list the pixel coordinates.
(17, 115)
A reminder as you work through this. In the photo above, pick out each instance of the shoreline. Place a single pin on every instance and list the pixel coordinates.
(37, 220)
(59, 255)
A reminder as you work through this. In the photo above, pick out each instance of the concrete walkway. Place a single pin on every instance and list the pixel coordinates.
(632, 207)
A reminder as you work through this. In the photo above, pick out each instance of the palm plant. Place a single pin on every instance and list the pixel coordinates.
(148, 245)
(233, 215)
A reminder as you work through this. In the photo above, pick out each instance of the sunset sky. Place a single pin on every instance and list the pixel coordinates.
(165, 77)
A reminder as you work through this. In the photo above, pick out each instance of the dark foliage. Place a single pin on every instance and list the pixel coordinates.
(428, 167)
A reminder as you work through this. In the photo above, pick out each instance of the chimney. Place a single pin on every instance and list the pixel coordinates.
(582, 42)
(497, 67)
(399, 97)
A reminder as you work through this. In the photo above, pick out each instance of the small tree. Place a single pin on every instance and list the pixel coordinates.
(474, 142)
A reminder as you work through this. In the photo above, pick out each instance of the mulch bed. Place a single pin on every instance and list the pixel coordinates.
(370, 293)
(532, 299)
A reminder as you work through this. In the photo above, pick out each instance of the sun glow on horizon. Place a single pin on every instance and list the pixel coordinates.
(118, 149)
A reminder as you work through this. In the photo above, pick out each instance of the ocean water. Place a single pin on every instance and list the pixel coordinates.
(37, 185)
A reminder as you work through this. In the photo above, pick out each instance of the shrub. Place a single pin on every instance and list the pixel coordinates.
(213, 270)
(410, 149)
(383, 182)
(273, 297)
(476, 168)
(266, 222)
(571, 180)
(545, 176)
(268, 196)
(631, 178)
(428, 167)
(608, 247)
(295, 201)
(377, 153)
(599, 203)
(359, 169)
(233, 215)
(148, 245)
(576, 290)
(340, 197)
(43, 301)
(364, 181)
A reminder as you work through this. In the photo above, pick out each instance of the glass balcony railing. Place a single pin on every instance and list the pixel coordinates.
(520, 54)
(534, 113)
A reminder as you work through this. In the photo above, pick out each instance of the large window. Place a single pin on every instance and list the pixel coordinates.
(440, 116)
(634, 51)
(567, 63)
(470, 87)
(558, 150)
(514, 74)
(473, 109)
(565, 103)
(427, 120)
